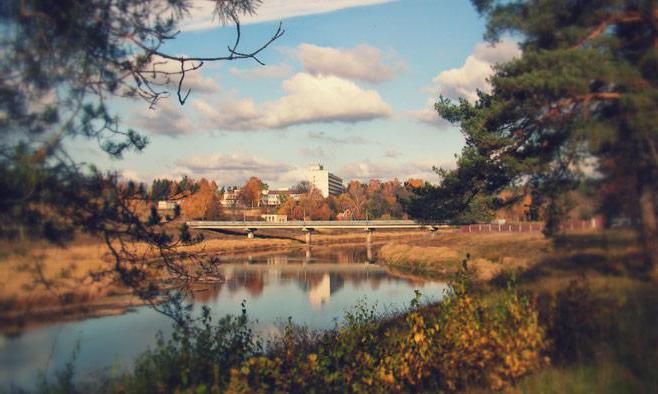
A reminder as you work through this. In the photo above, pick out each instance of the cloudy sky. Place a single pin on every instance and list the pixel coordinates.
(350, 85)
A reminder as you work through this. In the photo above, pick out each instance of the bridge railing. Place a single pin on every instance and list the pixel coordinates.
(304, 223)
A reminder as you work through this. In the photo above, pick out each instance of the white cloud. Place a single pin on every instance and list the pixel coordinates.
(392, 154)
(308, 99)
(235, 169)
(315, 153)
(165, 118)
(472, 75)
(465, 81)
(166, 72)
(362, 62)
(259, 72)
(201, 14)
(231, 169)
(130, 175)
(366, 170)
(428, 115)
(332, 139)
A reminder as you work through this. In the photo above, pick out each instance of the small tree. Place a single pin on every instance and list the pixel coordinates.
(251, 192)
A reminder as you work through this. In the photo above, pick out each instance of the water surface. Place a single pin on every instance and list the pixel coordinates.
(314, 287)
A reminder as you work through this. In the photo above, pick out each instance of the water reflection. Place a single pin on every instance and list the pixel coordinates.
(312, 286)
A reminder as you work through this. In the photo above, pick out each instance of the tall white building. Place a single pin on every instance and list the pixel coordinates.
(323, 180)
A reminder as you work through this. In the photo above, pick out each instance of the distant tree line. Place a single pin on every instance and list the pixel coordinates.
(374, 200)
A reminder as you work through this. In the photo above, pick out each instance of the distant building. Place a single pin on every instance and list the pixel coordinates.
(167, 205)
(328, 183)
(271, 218)
(274, 198)
(230, 198)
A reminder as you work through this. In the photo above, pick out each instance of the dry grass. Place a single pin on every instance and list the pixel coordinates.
(489, 253)
(44, 282)
(427, 259)
(38, 280)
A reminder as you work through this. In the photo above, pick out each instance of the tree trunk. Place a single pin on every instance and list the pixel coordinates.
(649, 228)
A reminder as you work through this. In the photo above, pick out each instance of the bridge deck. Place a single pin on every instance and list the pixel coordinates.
(309, 224)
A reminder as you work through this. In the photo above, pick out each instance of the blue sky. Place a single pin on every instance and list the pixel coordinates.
(351, 88)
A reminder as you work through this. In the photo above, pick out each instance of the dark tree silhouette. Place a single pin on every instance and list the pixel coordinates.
(62, 60)
(584, 89)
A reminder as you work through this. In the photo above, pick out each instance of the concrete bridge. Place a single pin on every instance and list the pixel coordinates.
(308, 227)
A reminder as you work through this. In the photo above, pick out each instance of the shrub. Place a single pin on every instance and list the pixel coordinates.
(470, 341)
(467, 340)
(198, 355)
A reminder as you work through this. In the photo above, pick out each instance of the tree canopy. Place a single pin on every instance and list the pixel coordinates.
(584, 91)
(62, 64)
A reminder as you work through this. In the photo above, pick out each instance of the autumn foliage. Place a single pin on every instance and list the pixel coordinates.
(309, 206)
(467, 341)
(250, 194)
(203, 203)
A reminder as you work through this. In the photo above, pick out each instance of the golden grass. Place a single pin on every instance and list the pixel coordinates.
(37, 277)
(489, 253)
(427, 259)
(41, 279)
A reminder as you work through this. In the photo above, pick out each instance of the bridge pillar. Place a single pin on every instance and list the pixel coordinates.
(369, 232)
(308, 232)
(369, 255)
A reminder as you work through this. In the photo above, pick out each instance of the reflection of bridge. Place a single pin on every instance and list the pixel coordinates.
(309, 226)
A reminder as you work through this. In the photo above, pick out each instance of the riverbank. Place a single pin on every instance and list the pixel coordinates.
(594, 298)
(42, 283)
(579, 317)
(488, 254)
(600, 256)
(576, 314)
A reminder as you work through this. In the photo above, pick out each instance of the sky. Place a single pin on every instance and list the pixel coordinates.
(350, 85)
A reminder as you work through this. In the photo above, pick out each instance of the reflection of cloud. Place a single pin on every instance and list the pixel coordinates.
(362, 62)
(308, 99)
(201, 14)
(320, 292)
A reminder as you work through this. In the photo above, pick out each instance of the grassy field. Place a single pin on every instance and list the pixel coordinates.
(489, 254)
(593, 292)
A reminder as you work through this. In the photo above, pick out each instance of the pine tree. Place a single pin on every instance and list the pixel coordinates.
(584, 90)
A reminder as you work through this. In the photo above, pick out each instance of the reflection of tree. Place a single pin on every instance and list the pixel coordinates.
(208, 294)
(254, 283)
(320, 282)
(337, 282)
(308, 280)
(375, 281)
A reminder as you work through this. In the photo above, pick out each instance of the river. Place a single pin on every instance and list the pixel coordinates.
(314, 287)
